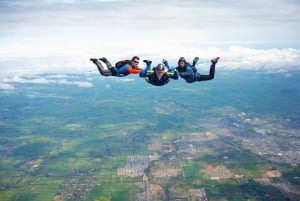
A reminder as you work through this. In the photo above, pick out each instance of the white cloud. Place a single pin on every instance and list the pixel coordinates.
(6, 82)
(233, 57)
(238, 58)
(18, 79)
(111, 0)
(46, 95)
(6, 86)
(260, 59)
(34, 3)
(58, 76)
(79, 84)
(108, 25)
(125, 80)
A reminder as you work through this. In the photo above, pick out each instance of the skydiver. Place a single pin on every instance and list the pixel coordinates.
(186, 71)
(130, 67)
(158, 76)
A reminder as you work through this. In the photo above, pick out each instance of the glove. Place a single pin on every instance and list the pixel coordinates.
(175, 72)
(165, 61)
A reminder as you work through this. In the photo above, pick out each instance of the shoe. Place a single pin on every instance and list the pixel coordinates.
(215, 60)
(196, 59)
(104, 59)
(148, 62)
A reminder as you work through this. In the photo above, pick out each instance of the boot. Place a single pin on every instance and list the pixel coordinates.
(104, 59)
(196, 59)
(214, 60)
(148, 62)
(94, 60)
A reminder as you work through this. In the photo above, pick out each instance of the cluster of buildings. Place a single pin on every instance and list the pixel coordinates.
(268, 137)
(78, 184)
(135, 166)
(218, 172)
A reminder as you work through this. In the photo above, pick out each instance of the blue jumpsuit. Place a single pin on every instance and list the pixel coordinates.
(190, 76)
(125, 70)
(151, 77)
(187, 73)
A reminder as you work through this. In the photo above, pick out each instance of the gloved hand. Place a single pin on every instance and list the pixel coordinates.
(164, 61)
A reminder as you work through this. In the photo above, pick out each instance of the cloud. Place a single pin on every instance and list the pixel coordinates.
(46, 95)
(35, 3)
(280, 60)
(18, 79)
(58, 76)
(6, 86)
(79, 84)
(108, 24)
(60, 36)
(111, 0)
(232, 58)
(6, 83)
(125, 80)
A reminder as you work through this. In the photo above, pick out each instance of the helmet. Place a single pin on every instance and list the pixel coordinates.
(182, 59)
(160, 67)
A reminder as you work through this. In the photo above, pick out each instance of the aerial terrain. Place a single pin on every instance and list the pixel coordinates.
(86, 137)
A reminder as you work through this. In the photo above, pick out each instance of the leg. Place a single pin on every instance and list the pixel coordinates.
(108, 64)
(112, 69)
(103, 71)
(207, 77)
(211, 71)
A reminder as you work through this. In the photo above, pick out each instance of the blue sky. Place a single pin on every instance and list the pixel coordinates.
(61, 35)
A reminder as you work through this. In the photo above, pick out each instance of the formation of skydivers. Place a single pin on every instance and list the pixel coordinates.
(158, 75)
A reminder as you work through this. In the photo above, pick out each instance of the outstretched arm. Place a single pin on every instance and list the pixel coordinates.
(173, 73)
(132, 70)
(165, 62)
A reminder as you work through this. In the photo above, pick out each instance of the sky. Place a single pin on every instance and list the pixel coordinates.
(38, 36)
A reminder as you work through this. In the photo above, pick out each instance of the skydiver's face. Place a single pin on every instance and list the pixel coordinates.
(135, 63)
(160, 72)
(181, 64)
